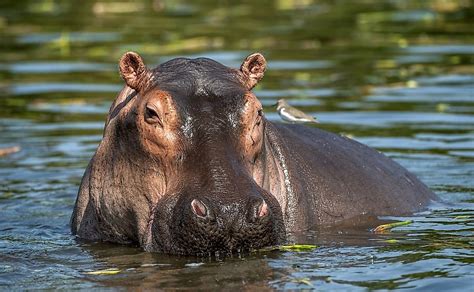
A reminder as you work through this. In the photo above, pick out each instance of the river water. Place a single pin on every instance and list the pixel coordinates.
(396, 75)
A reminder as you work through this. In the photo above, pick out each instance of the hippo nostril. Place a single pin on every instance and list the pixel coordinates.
(199, 208)
(259, 210)
(262, 210)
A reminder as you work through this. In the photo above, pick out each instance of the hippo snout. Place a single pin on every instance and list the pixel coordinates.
(203, 225)
(255, 210)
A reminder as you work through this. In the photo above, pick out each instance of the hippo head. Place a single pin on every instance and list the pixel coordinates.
(185, 143)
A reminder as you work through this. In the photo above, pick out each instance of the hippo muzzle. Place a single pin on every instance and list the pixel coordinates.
(217, 223)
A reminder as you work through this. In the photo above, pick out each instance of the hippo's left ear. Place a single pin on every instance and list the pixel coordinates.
(133, 70)
(253, 69)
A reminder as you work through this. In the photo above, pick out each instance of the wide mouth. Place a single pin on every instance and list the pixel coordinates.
(219, 251)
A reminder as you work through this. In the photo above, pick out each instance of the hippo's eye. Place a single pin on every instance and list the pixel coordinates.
(259, 117)
(151, 116)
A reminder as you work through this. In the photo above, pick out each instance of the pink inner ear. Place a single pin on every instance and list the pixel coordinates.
(263, 210)
(199, 208)
(256, 68)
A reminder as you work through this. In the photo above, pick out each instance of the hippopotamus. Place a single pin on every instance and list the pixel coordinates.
(189, 164)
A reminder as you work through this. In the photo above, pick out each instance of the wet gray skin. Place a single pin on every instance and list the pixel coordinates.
(188, 164)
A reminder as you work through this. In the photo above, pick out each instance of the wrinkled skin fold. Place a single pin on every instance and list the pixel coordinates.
(189, 165)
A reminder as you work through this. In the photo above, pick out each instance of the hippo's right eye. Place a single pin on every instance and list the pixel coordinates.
(259, 117)
(151, 116)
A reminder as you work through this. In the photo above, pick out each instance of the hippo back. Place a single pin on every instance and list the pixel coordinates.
(333, 178)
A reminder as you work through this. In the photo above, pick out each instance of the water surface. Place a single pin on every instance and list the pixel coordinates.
(396, 75)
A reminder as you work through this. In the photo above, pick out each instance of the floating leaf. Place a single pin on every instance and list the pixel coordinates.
(305, 281)
(111, 271)
(442, 107)
(291, 247)
(298, 247)
(391, 241)
(462, 217)
(412, 84)
(387, 227)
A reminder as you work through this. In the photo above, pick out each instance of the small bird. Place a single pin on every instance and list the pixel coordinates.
(293, 115)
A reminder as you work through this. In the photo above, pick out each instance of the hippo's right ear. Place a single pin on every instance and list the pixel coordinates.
(133, 70)
(253, 69)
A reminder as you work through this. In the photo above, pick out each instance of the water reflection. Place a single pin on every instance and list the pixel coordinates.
(92, 37)
(56, 67)
(396, 75)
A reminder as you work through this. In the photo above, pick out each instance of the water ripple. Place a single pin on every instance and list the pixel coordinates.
(40, 88)
(56, 67)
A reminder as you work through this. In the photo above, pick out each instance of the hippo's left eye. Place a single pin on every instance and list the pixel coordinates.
(151, 116)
